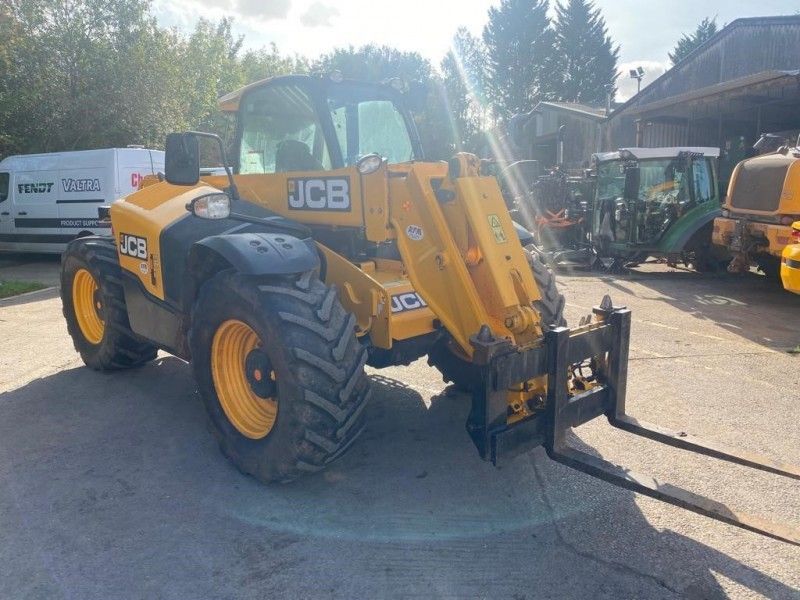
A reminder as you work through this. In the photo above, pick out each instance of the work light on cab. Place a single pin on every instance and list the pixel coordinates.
(369, 163)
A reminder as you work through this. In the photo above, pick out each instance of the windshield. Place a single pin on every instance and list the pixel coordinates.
(667, 189)
(281, 132)
(660, 180)
(367, 121)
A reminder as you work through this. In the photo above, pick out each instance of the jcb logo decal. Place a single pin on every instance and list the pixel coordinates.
(319, 193)
(407, 301)
(131, 245)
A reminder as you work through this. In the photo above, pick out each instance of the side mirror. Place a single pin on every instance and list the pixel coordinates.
(182, 159)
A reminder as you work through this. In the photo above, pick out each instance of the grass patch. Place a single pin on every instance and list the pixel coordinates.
(795, 350)
(15, 288)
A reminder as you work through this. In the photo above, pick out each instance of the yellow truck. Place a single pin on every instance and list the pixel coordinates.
(762, 203)
(790, 262)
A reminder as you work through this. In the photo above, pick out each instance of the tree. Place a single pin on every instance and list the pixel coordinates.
(425, 95)
(689, 41)
(86, 74)
(77, 74)
(519, 41)
(268, 62)
(585, 57)
(464, 84)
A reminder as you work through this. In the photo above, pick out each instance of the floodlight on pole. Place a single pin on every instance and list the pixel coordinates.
(638, 75)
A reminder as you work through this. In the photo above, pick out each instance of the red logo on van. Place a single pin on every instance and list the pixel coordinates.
(136, 179)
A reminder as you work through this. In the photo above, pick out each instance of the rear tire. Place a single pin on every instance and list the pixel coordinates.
(445, 356)
(318, 385)
(98, 321)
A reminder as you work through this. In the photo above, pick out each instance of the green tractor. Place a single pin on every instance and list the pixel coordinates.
(634, 203)
(656, 202)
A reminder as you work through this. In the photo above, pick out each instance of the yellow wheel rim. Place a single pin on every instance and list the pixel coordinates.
(88, 306)
(243, 379)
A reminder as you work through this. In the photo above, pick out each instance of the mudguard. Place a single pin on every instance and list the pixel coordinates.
(259, 253)
(688, 225)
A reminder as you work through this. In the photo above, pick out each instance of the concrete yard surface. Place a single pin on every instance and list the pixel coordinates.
(112, 487)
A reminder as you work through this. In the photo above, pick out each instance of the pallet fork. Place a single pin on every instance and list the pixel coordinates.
(502, 365)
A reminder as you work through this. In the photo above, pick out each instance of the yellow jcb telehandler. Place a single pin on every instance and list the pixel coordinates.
(333, 246)
(762, 203)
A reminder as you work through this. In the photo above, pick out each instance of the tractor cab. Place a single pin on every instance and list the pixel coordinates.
(653, 200)
(313, 124)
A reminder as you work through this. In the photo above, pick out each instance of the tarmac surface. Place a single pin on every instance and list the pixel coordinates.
(111, 486)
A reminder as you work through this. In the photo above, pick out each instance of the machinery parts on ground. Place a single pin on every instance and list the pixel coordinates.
(762, 203)
(335, 245)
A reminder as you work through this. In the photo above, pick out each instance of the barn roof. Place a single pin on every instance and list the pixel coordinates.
(770, 56)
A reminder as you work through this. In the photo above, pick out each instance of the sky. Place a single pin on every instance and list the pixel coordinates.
(646, 30)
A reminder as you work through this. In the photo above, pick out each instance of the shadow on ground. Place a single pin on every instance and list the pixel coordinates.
(750, 305)
(119, 491)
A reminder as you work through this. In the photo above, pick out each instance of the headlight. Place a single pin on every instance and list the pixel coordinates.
(369, 163)
(211, 206)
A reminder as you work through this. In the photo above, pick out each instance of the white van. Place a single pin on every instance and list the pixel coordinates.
(48, 199)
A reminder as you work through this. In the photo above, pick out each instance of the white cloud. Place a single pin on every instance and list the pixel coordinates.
(626, 86)
(264, 9)
(319, 15)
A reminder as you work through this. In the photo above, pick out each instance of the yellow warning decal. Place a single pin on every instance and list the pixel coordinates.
(497, 229)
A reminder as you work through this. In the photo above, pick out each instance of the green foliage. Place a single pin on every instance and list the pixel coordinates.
(73, 65)
(77, 74)
(519, 50)
(464, 82)
(585, 56)
(689, 41)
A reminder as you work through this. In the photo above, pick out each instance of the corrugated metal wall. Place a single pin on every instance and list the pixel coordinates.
(665, 134)
(743, 48)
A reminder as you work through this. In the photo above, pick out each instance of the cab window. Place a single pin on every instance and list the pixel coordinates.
(366, 122)
(4, 179)
(281, 132)
(703, 180)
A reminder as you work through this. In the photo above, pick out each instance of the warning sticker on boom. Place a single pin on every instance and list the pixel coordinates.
(497, 229)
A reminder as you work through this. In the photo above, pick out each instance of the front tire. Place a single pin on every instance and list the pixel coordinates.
(455, 369)
(94, 307)
(280, 371)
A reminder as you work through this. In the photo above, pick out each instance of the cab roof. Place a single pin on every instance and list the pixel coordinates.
(230, 102)
(671, 152)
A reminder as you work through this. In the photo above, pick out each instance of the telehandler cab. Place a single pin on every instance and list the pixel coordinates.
(334, 246)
